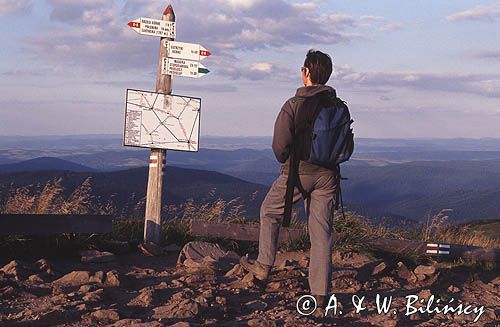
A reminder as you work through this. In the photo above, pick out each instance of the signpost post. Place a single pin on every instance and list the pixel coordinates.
(157, 159)
(175, 58)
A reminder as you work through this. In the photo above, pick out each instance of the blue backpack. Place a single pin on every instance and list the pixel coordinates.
(323, 136)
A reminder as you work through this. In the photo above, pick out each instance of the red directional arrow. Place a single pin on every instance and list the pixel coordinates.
(205, 53)
(134, 24)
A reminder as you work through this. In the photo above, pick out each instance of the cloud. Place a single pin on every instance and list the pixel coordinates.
(486, 13)
(15, 7)
(370, 18)
(255, 71)
(391, 27)
(479, 84)
(488, 54)
(94, 35)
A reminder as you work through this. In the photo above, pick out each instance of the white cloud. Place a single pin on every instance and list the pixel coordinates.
(488, 13)
(391, 27)
(15, 7)
(97, 37)
(489, 54)
(479, 84)
(370, 18)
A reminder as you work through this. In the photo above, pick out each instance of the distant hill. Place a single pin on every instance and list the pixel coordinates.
(43, 163)
(126, 189)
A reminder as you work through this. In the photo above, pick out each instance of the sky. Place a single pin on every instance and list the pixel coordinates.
(407, 69)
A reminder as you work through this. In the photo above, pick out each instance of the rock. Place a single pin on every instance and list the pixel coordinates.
(150, 249)
(379, 268)
(7, 292)
(35, 279)
(424, 270)
(112, 279)
(74, 278)
(221, 300)
(237, 270)
(453, 289)
(93, 297)
(425, 294)
(105, 315)
(87, 288)
(256, 305)
(261, 322)
(304, 262)
(44, 267)
(404, 273)
(97, 278)
(93, 256)
(17, 269)
(202, 254)
(171, 248)
(274, 285)
(144, 299)
(346, 285)
(181, 324)
(184, 309)
(287, 264)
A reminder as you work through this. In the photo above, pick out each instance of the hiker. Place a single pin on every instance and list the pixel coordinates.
(317, 181)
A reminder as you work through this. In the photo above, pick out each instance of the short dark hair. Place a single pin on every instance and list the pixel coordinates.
(319, 65)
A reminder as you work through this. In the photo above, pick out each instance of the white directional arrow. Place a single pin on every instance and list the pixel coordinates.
(182, 67)
(188, 51)
(153, 27)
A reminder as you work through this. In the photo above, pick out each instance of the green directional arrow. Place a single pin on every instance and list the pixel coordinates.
(203, 71)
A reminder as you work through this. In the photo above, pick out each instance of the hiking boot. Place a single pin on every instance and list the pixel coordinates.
(150, 249)
(259, 270)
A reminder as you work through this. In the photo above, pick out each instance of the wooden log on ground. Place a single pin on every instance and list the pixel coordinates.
(54, 224)
(250, 232)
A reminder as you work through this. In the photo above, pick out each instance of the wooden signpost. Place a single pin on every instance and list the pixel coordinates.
(175, 58)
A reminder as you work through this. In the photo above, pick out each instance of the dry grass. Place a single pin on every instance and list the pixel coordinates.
(51, 198)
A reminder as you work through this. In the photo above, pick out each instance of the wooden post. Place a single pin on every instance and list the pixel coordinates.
(152, 221)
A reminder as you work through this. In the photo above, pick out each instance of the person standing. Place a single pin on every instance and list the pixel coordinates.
(319, 182)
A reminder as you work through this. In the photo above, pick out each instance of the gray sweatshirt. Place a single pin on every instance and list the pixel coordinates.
(284, 129)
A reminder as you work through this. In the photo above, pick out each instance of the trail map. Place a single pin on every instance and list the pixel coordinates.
(155, 120)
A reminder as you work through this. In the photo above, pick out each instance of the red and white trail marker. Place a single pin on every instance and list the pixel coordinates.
(188, 51)
(153, 27)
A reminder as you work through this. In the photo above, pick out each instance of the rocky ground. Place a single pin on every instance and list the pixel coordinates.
(204, 286)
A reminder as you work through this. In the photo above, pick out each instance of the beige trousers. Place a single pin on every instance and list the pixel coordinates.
(319, 212)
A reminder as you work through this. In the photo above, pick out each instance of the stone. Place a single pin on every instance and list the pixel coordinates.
(94, 256)
(74, 278)
(144, 299)
(261, 322)
(453, 289)
(150, 249)
(184, 309)
(181, 324)
(97, 278)
(35, 279)
(172, 248)
(256, 305)
(379, 268)
(424, 270)
(237, 270)
(87, 288)
(17, 269)
(404, 273)
(105, 315)
(287, 264)
(425, 294)
(274, 285)
(112, 279)
(95, 296)
(197, 254)
(304, 262)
